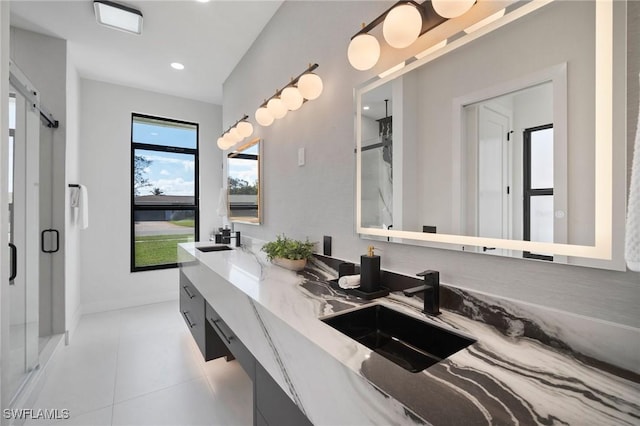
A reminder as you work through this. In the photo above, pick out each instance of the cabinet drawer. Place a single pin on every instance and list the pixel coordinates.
(239, 351)
(192, 311)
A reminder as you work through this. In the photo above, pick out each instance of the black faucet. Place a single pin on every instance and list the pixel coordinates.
(224, 237)
(431, 289)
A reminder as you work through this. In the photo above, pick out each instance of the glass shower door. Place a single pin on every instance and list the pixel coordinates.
(23, 169)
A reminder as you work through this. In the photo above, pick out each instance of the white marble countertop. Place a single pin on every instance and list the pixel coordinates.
(335, 380)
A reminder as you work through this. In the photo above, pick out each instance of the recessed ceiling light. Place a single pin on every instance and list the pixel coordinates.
(117, 16)
(366, 107)
(177, 66)
(203, 1)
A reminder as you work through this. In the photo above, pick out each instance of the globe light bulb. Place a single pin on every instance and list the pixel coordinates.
(363, 52)
(222, 143)
(264, 117)
(310, 86)
(245, 129)
(291, 98)
(452, 8)
(277, 108)
(229, 140)
(402, 26)
(236, 134)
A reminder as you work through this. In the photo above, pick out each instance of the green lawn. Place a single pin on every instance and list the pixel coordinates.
(159, 249)
(191, 223)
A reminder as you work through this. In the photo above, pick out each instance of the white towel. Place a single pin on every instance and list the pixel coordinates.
(75, 197)
(83, 213)
(222, 203)
(349, 281)
(632, 244)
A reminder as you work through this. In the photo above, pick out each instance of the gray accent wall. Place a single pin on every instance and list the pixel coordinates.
(319, 198)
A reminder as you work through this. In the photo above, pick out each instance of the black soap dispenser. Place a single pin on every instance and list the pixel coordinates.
(370, 272)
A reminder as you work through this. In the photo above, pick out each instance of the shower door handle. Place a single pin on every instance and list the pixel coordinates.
(13, 253)
(57, 240)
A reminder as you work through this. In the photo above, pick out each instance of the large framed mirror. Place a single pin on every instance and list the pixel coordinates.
(244, 182)
(502, 140)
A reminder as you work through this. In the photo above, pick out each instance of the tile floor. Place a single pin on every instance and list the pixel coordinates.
(140, 366)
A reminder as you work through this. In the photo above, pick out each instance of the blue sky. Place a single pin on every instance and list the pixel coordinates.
(173, 173)
(245, 169)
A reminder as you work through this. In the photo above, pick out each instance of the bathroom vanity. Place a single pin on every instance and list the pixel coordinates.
(305, 371)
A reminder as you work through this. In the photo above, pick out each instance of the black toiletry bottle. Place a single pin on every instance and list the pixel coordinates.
(370, 272)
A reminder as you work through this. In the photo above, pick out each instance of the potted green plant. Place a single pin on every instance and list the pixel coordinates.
(289, 253)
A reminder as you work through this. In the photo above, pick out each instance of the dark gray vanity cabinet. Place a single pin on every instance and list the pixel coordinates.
(234, 345)
(192, 308)
(272, 406)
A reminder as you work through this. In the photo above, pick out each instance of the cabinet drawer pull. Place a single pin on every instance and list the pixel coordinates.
(186, 316)
(215, 324)
(186, 290)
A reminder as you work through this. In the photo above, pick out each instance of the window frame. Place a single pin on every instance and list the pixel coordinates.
(528, 192)
(186, 207)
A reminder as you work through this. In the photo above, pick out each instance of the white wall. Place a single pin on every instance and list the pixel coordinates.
(72, 257)
(318, 198)
(105, 164)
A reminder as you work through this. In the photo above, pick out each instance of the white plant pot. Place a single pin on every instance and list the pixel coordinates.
(294, 265)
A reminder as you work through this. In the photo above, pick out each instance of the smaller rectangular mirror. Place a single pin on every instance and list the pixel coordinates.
(244, 183)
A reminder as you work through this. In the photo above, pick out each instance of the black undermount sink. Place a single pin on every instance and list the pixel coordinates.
(412, 344)
(214, 248)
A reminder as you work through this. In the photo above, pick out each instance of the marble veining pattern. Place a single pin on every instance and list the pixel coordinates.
(290, 385)
(505, 378)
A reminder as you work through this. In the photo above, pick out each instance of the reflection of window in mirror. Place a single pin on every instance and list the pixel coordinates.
(243, 183)
(538, 187)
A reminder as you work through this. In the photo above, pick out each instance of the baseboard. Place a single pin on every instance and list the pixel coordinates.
(112, 305)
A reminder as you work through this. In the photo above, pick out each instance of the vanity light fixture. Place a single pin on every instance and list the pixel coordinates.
(118, 16)
(402, 24)
(305, 87)
(241, 129)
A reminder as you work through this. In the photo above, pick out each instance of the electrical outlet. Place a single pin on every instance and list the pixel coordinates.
(300, 156)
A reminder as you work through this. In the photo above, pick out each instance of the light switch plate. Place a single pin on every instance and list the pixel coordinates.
(300, 156)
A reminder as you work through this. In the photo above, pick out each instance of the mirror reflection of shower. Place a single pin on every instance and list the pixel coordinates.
(377, 163)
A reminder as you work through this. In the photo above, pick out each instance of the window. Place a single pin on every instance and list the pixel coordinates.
(538, 187)
(164, 190)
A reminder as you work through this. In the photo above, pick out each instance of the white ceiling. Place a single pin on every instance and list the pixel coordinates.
(208, 38)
